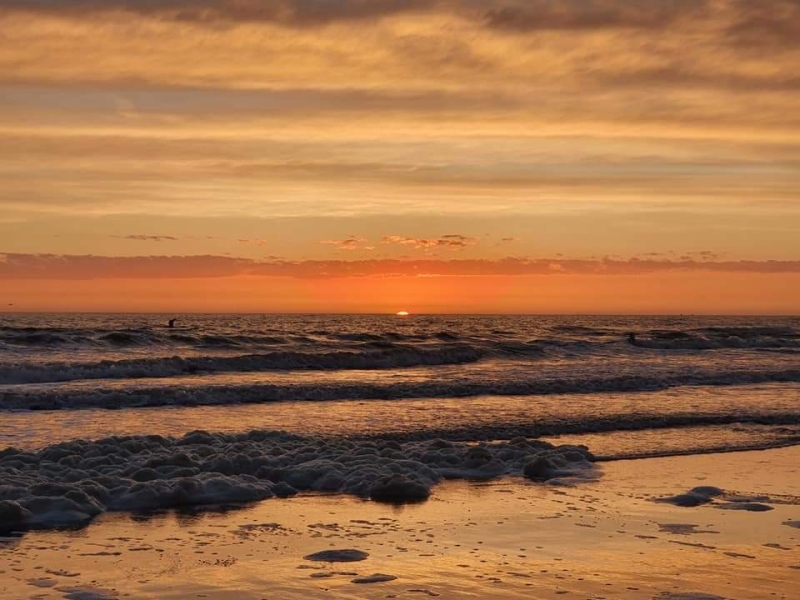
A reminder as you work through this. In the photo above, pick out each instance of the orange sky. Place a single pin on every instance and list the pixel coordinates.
(434, 155)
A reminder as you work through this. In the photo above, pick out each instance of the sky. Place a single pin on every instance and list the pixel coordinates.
(512, 156)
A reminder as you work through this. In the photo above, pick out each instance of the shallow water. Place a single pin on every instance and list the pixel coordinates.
(685, 384)
(674, 421)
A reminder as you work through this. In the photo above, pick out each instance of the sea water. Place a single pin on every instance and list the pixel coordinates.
(682, 384)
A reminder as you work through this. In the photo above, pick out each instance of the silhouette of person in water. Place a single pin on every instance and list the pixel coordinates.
(632, 338)
(172, 323)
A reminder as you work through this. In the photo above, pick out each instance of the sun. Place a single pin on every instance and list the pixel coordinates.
(403, 313)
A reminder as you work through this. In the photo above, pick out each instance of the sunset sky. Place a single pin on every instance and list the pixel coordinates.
(525, 156)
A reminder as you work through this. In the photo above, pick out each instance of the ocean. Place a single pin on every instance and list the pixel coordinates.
(686, 384)
(105, 413)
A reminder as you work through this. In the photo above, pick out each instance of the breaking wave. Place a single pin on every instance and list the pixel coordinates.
(200, 337)
(204, 391)
(720, 339)
(387, 356)
(141, 353)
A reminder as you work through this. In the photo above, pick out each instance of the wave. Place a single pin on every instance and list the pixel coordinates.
(752, 331)
(205, 393)
(42, 338)
(720, 338)
(719, 448)
(576, 426)
(122, 338)
(386, 356)
(584, 330)
(554, 338)
(99, 339)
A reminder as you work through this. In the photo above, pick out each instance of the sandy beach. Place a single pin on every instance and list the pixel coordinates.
(507, 538)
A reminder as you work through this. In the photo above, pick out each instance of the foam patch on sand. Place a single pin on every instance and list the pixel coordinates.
(687, 596)
(87, 593)
(69, 484)
(374, 578)
(795, 524)
(338, 556)
(726, 500)
(694, 497)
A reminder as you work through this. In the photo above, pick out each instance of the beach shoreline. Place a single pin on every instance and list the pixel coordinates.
(506, 538)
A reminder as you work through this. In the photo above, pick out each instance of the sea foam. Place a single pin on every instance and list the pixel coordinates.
(69, 484)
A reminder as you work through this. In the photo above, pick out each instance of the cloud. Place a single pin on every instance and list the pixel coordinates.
(54, 266)
(257, 242)
(454, 48)
(74, 267)
(451, 241)
(703, 255)
(350, 244)
(743, 21)
(302, 13)
(475, 108)
(771, 23)
(507, 14)
(539, 15)
(147, 238)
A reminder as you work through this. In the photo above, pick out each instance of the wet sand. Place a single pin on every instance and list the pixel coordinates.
(508, 538)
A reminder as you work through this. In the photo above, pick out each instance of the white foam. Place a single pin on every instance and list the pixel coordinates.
(72, 482)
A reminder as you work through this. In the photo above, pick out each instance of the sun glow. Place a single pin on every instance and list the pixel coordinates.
(403, 313)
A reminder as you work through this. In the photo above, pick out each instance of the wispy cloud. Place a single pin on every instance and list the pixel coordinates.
(147, 238)
(74, 267)
(542, 15)
(590, 42)
(307, 13)
(450, 241)
(703, 255)
(586, 126)
(350, 244)
(742, 20)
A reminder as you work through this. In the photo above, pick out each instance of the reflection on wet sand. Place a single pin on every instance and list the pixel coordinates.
(504, 539)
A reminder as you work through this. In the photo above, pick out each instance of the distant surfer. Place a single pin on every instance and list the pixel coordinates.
(632, 339)
(172, 323)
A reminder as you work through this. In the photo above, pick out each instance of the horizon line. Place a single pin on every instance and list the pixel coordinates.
(393, 314)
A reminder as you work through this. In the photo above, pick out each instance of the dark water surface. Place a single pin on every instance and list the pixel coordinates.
(685, 384)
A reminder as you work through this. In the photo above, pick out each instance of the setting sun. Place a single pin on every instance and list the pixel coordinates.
(402, 313)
